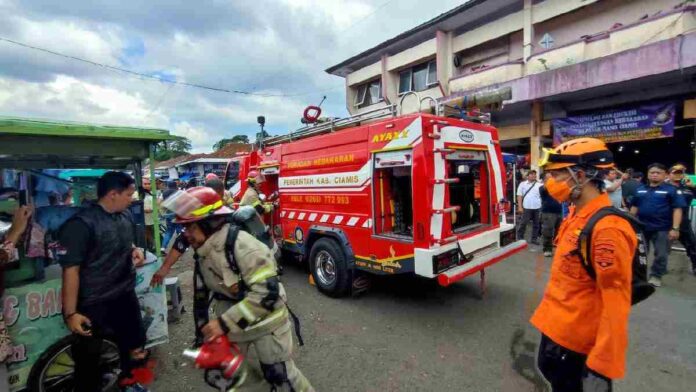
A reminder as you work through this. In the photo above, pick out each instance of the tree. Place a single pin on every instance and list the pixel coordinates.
(234, 139)
(180, 144)
(172, 149)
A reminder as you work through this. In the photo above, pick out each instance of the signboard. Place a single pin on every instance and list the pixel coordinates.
(34, 319)
(33, 314)
(619, 125)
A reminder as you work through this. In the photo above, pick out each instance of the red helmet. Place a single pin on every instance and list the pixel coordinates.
(254, 177)
(196, 204)
(211, 176)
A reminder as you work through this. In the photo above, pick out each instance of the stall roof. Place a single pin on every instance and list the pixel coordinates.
(29, 143)
(22, 126)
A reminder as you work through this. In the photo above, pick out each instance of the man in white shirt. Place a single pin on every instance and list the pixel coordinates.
(612, 184)
(529, 206)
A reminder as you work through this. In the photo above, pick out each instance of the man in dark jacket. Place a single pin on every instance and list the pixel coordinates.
(687, 188)
(99, 283)
(659, 206)
(550, 218)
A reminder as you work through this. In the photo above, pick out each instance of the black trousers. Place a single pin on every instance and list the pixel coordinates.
(118, 319)
(688, 239)
(564, 369)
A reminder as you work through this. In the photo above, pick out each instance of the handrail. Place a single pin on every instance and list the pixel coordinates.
(406, 94)
(431, 98)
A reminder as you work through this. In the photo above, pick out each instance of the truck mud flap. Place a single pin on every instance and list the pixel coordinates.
(458, 273)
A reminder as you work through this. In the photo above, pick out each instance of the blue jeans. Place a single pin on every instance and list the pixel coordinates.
(172, 228)
(660, 241)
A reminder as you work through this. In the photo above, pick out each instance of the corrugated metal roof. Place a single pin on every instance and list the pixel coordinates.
(23, 126)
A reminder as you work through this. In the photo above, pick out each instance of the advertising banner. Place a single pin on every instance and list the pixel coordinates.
(33, 314)
(619, 125)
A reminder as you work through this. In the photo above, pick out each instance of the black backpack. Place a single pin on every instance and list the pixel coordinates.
(640, 288)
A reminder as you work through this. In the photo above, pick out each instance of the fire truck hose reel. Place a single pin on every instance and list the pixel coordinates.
(311, 114)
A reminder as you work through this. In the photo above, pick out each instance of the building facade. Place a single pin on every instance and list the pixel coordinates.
(623, 70)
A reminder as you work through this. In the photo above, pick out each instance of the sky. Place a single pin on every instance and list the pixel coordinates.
(277, 49)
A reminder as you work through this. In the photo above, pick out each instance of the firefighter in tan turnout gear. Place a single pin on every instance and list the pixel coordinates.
(249, 299)
(251, 196)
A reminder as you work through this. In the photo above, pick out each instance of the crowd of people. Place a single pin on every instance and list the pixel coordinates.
(661, 204)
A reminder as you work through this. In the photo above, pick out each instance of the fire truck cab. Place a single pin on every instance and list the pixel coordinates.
(415, 194)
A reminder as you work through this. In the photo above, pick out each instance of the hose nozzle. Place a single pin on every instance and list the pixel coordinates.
(192, 354)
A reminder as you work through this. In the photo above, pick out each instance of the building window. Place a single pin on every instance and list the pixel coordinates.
(369, 93)
(418, 78)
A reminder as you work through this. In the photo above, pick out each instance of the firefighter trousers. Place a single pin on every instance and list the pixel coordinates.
(274, 352)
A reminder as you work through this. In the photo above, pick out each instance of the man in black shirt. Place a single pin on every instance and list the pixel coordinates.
(99, 283)
(630, 187)
(684, 185)
(551, 212)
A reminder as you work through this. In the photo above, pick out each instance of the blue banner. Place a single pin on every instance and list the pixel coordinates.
(619, 125)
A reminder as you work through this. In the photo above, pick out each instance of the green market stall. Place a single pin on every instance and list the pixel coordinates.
(32, 302)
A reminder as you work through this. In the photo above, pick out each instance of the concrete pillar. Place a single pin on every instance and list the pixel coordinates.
(350, 98)
(528, 31)
(390, 83)
(535, 133)
(444, 59)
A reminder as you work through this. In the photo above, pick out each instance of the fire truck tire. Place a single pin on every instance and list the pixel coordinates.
(329, 268)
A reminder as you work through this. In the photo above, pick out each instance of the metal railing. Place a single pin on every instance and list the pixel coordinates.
(333, 125)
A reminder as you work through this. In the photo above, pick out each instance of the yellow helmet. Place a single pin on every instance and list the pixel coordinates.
(577, 152)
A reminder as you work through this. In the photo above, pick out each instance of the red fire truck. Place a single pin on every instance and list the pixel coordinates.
(413, 194)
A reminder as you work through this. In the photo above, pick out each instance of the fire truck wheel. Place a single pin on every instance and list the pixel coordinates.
(330, 268)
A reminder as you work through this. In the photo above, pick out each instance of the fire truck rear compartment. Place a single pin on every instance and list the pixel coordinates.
(394, 202)
(467, 193)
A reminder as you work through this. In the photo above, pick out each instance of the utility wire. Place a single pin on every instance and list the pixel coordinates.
(152, 77)
(340, 32)
(364, 18)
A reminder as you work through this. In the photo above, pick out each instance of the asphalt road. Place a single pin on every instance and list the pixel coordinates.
(408, 334)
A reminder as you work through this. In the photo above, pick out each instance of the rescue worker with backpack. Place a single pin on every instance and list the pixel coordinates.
(599, 270)
(249, 300)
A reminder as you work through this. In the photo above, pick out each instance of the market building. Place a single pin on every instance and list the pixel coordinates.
(620, 70)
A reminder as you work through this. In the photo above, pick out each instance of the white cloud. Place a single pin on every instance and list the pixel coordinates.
(200, 139)
(71, 99)
(343, 13)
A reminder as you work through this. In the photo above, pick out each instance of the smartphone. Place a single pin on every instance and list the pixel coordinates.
(23, 198)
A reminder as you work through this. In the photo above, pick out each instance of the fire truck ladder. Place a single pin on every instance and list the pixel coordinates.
(332, 125)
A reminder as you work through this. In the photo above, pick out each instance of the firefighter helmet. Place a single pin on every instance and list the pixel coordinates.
(211, 176)
(254, 177)
(196, 204)
(578, 152)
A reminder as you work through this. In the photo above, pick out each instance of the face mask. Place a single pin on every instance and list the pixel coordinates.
(558, 190)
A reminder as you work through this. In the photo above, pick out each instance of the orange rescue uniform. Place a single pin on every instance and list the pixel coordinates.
(583, 315)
